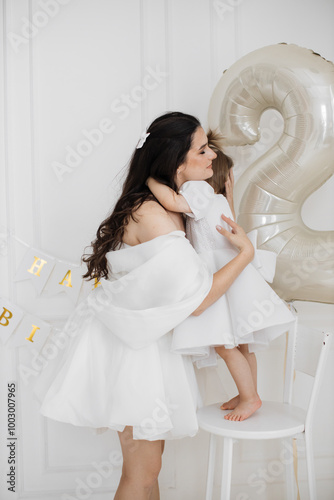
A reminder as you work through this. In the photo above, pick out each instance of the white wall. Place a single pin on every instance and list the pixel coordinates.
(62, 81)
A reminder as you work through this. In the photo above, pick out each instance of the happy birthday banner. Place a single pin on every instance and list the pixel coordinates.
(48, 275)
(41, 269)
(20, 325)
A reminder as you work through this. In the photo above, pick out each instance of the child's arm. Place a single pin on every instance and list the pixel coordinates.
(229, 185)
(167, 197)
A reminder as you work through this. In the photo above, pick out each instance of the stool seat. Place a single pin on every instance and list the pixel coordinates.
(272, 421)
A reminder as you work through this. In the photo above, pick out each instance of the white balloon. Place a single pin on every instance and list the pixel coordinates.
(300, 85)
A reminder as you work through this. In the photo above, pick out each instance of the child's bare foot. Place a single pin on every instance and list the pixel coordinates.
(231, 404)
(244, 410)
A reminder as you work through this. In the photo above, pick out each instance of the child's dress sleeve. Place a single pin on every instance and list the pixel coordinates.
(198, 195)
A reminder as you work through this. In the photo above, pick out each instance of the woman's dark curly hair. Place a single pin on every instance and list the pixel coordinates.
(163, 152)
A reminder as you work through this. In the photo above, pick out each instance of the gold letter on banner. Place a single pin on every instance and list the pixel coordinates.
(34, 328)
(10, 317)
(39, 266)
(96, 283)
(68, 279)
(3, 315)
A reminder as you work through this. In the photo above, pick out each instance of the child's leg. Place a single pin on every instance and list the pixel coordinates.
(240, 370)
(251, 358)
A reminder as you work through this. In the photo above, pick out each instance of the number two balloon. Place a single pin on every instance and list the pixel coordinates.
(300, 85)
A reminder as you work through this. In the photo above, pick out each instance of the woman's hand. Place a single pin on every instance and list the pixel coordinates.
(237, 237)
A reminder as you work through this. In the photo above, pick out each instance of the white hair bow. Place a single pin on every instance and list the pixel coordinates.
(142, 139)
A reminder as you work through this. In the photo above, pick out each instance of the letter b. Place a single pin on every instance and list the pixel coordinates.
(3, 315)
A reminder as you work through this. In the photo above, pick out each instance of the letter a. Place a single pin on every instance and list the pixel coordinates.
(67, 278)
(96, 283)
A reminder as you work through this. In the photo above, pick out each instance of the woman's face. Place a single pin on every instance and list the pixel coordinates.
(198, 163)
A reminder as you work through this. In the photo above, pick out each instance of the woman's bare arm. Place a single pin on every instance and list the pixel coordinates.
(168, 197)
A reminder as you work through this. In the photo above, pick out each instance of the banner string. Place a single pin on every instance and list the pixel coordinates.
(12, 235)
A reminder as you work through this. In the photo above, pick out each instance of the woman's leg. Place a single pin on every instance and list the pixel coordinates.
(251, 358)
(141, 467)
(241, 372)
(155, 495)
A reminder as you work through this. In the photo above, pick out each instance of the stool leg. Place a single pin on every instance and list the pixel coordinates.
(227, 469)
(211, 467)
(289, 472)
(310, 466)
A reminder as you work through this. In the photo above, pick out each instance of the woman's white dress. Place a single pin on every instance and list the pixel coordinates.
(250, 312)
(118, 367)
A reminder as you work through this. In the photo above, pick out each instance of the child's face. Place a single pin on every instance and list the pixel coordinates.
(198, 164)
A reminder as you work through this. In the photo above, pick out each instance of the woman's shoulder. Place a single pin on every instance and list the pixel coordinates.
(149, 207)
(153, 220)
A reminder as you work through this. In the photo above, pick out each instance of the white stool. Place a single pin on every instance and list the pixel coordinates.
(307, 352)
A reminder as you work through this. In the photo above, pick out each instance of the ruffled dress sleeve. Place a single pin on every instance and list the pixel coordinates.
(199, 195)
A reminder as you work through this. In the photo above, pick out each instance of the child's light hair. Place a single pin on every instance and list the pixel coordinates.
(220, 165)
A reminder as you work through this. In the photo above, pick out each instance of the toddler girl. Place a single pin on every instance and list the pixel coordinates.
(250, 314)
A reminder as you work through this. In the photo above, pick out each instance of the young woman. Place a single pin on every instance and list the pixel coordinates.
(118, 370)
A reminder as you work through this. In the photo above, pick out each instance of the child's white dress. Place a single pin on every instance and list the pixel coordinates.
(250, 312)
